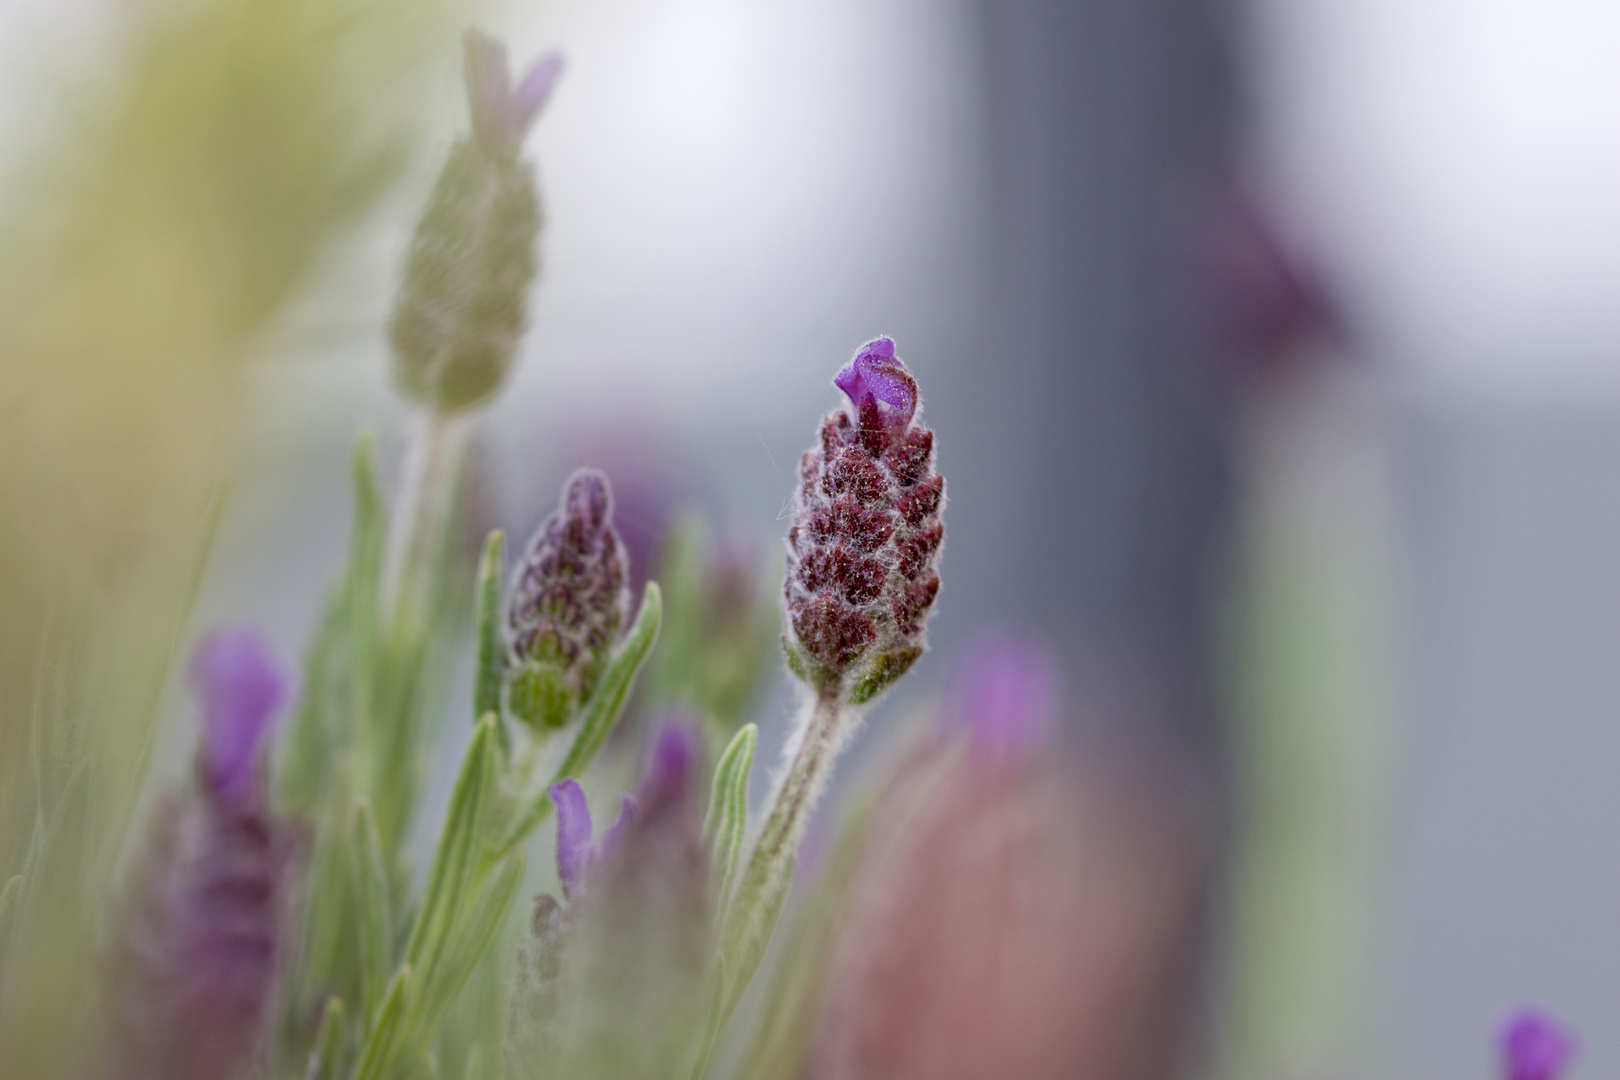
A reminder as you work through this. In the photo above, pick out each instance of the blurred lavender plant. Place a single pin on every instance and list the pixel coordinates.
(200, 941)
(606, 983)
(182, 187)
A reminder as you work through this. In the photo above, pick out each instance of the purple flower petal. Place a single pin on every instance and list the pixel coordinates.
(502, 116)
(534, 90)
(1006, 695)
(1534, 1046)
(573, 835)
(629, 814)
(876, 375)
(669, 767)
(241, 687)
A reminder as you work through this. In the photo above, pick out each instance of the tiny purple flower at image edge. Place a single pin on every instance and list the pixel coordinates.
(1534, 1046)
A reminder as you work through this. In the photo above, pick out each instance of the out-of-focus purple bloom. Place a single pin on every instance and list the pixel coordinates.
(1256, 299)
(669, 766)
(573, 835)
(1006, 696)
(502, 115)
(576, 855)
(1534, 1046)
(200, 938)
(875, 380)
(241, 687)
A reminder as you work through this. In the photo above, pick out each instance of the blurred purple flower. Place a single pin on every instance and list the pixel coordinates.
(1005, 696)
(241, 687)
(576, 855)
(875, 379)
(1534, 1046)
(1257, 299)
(199, 941)
(502, 115)
(669, 766)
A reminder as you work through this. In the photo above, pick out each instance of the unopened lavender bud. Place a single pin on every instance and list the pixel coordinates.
(1535, 1047)
(567, 604)
(199, 944)
(864, 546)
(463, 302)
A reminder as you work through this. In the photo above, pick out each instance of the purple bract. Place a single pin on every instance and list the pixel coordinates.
(502, 115)
(875, 380)
(241, 687)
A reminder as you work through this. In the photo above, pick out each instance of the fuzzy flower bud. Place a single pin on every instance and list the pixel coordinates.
(864, 545)
(567, 604)
(199, 942)
(1534, 1047)
(463, 302)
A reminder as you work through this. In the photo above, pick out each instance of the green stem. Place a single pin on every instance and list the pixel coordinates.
(764, 885)
(420, 530)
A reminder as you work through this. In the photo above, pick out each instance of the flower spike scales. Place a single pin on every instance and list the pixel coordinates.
(863, 553)
(865, 540)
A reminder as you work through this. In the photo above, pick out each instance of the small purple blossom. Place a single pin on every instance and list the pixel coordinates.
(576, 855)
(501, 114)
(1534, 1046)
(1005, 696)
(669, 766)
(241, 686)
(875, 379)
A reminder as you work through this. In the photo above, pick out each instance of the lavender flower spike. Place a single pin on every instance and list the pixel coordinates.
(567, 604)
(502, 116)
(199, 939)
(1534, 1046)
(463, 302)
(866, 535)
(241, 689)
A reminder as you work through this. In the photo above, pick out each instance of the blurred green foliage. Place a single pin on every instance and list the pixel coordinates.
(177, 203)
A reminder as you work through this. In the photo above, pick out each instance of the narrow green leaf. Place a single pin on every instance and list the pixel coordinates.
(491, 649)
(472, 936)
(606, 702)
(455, 859)
(718, 986)
(387, 1034)
(728, 809)
(601, 711)
(370, 876)
(326, 1062)
(340, 662)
